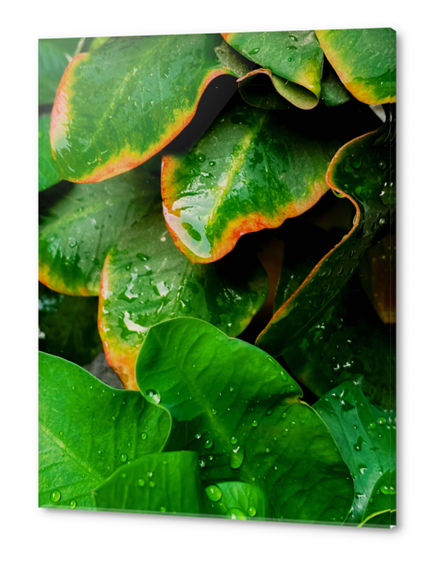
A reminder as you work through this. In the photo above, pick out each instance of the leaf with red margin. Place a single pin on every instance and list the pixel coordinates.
(364, 171)
(146, 280)
(364, 60)
(293, 60)
(80, 222)
(121, 104)
(251, 170)
(48, 174)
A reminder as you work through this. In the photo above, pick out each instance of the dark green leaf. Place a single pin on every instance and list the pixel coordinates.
(80, 222)
(366, 437)
(87, 430)
(241, 412)
(48, 174)
(159, 483)
(146, 279)
(68, 326)
(122, 103)
(362, 170)
(252, 170)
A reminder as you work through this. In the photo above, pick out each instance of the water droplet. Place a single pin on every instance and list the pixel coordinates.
(254, 51)
(234, 440)
(142, 257)
(372, 425)
(356, 162)
(384, 489)
(208, 443)
(254, 423)
(236, 457)
(72, 242)
(60, 433)
(55, 496)
(123, 457)
(152, 484)
(382, 165)
(163, 509)
(153, 396)
(381, 421)
(252, 511)
(113, 418)
(284, 376)
(141, 482)
(236, 513)
(269, 413)
(202, 462)
(143, 436)
(212, 164)
(214, 493)
(358, 445)
(267, 450)
(201, 157)
(214, 412)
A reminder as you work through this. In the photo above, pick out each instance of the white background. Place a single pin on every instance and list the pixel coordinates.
(64, 535)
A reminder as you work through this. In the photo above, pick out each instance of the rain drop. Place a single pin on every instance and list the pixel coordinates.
(55, 496)
(153, 396)
(236, 457)
(213, 493)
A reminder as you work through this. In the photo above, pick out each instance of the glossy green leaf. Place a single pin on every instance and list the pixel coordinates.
(333, 92)
(347, 341)
(237, 500)
(80, 223)
(54, 56)
(68, 326)
(87, 430)
(119, 105)
(241, 412)
(146, 279)
(159, 483)
(364, 60)
(366, 437)
(362, 170)
(48, 174)
(251, 170)
(293, 60)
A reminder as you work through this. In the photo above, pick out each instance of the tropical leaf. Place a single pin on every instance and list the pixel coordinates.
(80, 223)
(68, 326)
(158, 483)
(362, 170)
(251, 170)
(119, 105)
(237, 500)
(54, 56)
(48, 174)
(146, 279)
(241, 412)
(333, 92)
(87, 430)
(293, 60)
(364, 60)
(366, 438)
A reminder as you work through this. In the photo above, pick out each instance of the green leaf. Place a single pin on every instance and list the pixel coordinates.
(364, 60)
(333, 92)
(87, 430)
(366, 438)
(159, 483)
(48, 174)
(251, 170)
(146, 279)
(79, 224)
(54, 55)
(241, 412)
(237, 500)
(68, 326)
(293, 60)
(347, 341)
(363, 171)
(142, 92)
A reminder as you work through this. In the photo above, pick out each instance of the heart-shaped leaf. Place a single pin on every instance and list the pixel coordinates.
(48, 174)
(364, 60)
(241, 412)
(367, 440)
(119, 105)
(362, 170)
(54, 56)
(237, 500)
(251, 170)
(146, 279)
(87, 430)
(159, 483)
(293, 60)
(80, 223)
(68, 326)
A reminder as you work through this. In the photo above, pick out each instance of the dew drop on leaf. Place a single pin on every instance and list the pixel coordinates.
(214, 493)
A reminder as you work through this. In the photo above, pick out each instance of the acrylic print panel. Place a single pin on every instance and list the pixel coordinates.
(217, 275)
